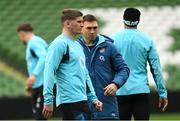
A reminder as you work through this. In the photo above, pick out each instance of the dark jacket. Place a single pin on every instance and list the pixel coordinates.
(105, 66)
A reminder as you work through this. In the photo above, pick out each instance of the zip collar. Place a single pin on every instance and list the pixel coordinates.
(100, 44)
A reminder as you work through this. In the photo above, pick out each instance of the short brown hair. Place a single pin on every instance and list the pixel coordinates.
(70, 14)
(89, 18)
(26, 27)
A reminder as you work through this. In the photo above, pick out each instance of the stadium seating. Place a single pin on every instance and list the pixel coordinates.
(44, 16)
(158, 17)
(10, 87)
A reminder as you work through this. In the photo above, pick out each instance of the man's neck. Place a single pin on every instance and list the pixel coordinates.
(29, 36)
(128, 27)
(89, 42)
(69, 34)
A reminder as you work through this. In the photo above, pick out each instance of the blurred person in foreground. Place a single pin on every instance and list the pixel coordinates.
(137, 49)
(65, 64)
(106, 67)
(35, 56)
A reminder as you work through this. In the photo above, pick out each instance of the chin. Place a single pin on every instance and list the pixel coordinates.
(92, 38)
(78, 32)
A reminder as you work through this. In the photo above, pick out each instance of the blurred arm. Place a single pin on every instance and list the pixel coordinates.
(156, 71)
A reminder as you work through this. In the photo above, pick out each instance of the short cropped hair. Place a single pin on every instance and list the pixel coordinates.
(131, 17)
(70, 14)
(26, 27)
(89, 18)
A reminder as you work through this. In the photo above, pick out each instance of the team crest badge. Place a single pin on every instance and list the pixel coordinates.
(102, 50)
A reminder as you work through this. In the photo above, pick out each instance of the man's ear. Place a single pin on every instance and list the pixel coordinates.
(67, 23)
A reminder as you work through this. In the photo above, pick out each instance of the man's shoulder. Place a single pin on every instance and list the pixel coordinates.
(37, 41)
(58, 41)
(111, 47)
(117, 35)
(37, 38)
(105, 38)
(106, 41)
(143, 34)
(118, 32)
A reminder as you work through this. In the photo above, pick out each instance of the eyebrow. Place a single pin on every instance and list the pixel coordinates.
(94, 27)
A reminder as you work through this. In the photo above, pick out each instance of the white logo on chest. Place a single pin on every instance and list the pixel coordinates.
(102, 58)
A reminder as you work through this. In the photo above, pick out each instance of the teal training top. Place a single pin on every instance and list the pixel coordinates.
(137, 49)
(35, 57)
(71, 77)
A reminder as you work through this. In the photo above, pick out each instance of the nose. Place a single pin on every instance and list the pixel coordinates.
(81, 24)
(92, 31)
